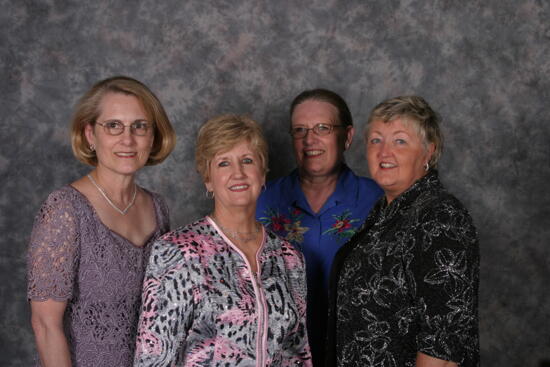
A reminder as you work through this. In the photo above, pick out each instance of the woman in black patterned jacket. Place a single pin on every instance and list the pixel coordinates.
(404, 289)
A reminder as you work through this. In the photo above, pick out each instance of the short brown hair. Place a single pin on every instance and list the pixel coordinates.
(222, 133)
(424, 119)
(87, 111)
(328, 96)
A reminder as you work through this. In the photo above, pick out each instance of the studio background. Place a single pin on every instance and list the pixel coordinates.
(484, 65)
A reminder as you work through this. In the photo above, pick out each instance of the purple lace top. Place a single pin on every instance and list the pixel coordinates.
(74, 257)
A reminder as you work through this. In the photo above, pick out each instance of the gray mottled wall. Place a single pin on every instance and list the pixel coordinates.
(484, 65)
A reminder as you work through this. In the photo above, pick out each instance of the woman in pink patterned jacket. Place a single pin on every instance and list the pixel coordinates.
(223, 291)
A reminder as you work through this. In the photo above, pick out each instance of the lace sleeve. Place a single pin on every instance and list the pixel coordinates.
(164, 213)
(52, 254)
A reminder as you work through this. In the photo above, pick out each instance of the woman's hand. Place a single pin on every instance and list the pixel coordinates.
(424, 360)
(47, 323)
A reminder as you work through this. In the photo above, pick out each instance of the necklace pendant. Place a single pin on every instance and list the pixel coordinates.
(104, 194)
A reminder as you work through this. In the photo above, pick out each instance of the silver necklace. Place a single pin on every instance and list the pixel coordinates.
(102, 192)
(236, 235)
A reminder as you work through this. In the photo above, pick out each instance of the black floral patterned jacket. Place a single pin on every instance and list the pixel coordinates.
(407, 282)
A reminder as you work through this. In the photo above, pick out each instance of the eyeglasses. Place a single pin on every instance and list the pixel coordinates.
(139, 128)
(299, 132)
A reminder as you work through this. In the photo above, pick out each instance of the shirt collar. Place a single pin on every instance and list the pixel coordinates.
(346, 191)
(428, 182)
(346, 188)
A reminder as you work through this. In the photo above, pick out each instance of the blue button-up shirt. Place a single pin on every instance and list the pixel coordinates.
(283, 208)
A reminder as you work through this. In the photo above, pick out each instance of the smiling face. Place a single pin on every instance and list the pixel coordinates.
(316, 155)
(396, 155)
(236, 177)
(125, 153)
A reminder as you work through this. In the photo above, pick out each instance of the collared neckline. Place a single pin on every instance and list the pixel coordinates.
(427, 182)
(346, 183)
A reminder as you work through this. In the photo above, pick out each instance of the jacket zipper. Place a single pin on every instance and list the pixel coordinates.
(260, 343)
(260, 300)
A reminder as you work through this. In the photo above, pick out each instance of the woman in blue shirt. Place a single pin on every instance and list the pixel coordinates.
(322, 203)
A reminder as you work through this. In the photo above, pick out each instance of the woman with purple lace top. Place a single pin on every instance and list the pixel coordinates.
(91, 239)
(224, 291)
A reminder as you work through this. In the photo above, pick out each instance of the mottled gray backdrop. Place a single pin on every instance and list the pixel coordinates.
(484, 65)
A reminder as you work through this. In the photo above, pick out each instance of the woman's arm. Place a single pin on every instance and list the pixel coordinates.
(51, 266)
(424, 360)
(298, 351)
(166, 309)
(47, 323)
(446, 276)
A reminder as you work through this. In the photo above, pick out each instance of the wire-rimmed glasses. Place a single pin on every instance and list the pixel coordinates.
(115, 127)
(321, 129)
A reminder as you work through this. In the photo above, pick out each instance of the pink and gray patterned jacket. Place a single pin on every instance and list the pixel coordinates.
(203, 306)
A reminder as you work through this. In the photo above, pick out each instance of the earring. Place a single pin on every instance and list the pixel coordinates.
(347, 145)
(92, 147)
(264, 187)
(209, 194)
(427, 167)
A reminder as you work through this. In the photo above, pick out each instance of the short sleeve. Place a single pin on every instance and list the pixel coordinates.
(446, 271)
(53, 250)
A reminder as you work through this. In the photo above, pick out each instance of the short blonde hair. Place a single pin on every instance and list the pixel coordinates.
(419, 113)
(87, 111)
(222, 133)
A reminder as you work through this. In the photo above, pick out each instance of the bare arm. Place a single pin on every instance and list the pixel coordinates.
(47, 323)
(424, 360)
